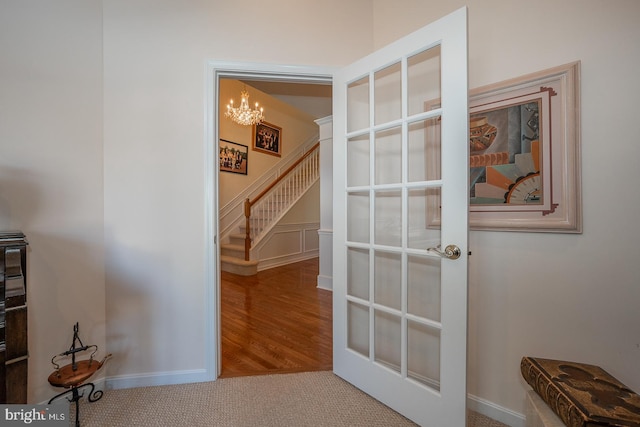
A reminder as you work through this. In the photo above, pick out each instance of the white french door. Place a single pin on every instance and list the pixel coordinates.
(401, 147)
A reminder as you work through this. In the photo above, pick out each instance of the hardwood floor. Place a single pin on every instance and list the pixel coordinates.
(276, 321)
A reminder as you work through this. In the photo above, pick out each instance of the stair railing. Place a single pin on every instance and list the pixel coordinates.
(274, 201)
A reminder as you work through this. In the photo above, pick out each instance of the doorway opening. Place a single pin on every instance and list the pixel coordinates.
(278, 82)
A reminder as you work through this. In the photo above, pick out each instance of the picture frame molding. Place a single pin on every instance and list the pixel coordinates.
(562, 212)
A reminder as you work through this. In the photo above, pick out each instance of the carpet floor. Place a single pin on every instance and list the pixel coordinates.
(311, 399)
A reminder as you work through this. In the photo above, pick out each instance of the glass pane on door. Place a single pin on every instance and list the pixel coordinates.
(358, 161)
(358, 216)
(423, 358)
(388, 329)
(358, 104)
(423, 148)
(358, 328)
(423, 217)
(388, 279)
(423, 287)
(388, 94)
(388, 155)
(388, 218)
(423, 81)
(358, 273)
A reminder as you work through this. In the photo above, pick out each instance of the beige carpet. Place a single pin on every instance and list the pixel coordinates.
(296, 400)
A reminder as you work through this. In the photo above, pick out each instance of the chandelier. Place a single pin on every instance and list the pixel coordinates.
(243, 114)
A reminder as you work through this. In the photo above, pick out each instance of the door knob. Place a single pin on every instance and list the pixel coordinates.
(451, 251)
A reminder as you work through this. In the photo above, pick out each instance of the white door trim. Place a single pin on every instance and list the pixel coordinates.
(214, 70)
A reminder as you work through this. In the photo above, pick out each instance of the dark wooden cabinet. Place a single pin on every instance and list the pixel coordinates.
(13, 318)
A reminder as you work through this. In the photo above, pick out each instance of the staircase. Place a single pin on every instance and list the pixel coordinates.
(265, 210)
(232, 257)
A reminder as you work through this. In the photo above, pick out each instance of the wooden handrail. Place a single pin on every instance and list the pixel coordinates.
(283, 174)
(249, 203)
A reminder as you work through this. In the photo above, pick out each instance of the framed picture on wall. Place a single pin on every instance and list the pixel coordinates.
(233, 157)
(267, 138)
(524, 154)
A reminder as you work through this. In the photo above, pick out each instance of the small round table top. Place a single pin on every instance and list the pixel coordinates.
(66, 377)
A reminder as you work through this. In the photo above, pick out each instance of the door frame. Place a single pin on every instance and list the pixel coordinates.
(214, 71)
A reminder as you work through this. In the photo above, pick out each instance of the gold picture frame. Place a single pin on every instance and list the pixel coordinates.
(267, 138)
(233, 157)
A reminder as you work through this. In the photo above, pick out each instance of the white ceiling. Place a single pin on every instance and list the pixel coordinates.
(313, 99)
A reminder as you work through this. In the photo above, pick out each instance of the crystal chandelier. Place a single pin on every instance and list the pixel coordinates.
(243, 114)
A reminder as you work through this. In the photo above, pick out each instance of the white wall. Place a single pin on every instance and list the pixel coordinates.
(154, 61)
(570, 297)
(51, 171)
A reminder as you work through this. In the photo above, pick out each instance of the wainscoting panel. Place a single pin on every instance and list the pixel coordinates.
(311, 240)
(288, 243)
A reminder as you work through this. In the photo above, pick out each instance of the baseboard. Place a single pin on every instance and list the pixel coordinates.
(498, 413)
(325, 282)
(286, 259)
(161, 378)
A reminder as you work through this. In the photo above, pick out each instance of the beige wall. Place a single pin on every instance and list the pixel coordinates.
(102, 161)
(307, 210)
(102, 142)
(51, 169)
(298, 128)
(571, 297)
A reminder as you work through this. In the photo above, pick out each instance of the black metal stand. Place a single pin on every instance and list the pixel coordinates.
(73, 376)
(93, 396)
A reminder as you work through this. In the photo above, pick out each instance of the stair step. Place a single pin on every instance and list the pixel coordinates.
(254, 230)
(237, 239)
(238, 266)
(232, 250)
